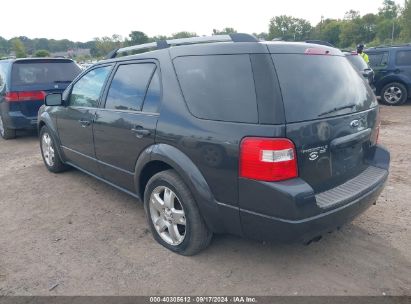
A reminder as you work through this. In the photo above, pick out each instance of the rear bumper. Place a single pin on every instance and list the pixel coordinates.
(320, 216)
(17, 120)
(259, 226)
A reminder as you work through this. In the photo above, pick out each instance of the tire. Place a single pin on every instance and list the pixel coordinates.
(5, 132)
(49, 152)
(179, 225)
(394, 94)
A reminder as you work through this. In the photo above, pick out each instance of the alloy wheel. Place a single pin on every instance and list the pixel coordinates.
(1, 126)
(48, 150)
(392, 95)
(167, 215)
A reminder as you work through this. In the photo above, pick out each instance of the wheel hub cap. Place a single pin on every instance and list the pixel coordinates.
(393, 94)
(48, 150)
(1, 126)
(167, 215)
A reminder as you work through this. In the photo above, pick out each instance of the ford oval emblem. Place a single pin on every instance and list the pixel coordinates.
(313, 155)
(355, 123)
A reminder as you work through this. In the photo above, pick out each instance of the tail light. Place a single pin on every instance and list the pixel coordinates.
(268, 159)
(25, 96)
(316, 51)
(376, 132)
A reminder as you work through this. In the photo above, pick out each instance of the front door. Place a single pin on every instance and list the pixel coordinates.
(75, 120)
(125, 125)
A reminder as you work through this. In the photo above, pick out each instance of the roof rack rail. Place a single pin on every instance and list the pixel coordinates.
(162, 44)
(389, 45)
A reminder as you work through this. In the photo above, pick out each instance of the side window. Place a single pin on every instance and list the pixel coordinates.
(378, 60)
(153, 96)
(129, 86)
(403, 58)
(218, 87)
(86, 91)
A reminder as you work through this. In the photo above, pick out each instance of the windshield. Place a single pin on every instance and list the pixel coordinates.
(358, 62)
(44, 72)
(315, 87)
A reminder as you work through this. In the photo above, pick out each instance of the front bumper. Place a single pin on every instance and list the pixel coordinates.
(333, 208)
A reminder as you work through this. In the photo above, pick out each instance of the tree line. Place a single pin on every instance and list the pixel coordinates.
(391, 24)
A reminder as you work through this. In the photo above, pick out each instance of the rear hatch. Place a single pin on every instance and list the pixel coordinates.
(331, 114)
(32, 79)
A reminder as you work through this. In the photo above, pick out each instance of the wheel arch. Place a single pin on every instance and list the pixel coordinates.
(387, 80)
(45, 120)
(162, 157)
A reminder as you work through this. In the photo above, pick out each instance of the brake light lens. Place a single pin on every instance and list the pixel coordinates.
(25, 96)
(268, 159)
(316, 51)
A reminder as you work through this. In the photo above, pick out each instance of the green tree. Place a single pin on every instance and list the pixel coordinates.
(351, 15)
(406, 22)
(18, 47)
(224, 31)
(107, 44)
(289, 28)
(388, 30)
(328, 30)
(137, 37)
(389, 9)
(369, 25)
(4, 47)
(42, 53)
(183, 34)
(351, 29)
(262, 36)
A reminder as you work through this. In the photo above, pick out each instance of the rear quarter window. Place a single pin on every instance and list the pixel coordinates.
(403, 58)
(218, 87)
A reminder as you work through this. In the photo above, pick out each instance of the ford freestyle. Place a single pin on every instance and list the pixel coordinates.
(274, 141)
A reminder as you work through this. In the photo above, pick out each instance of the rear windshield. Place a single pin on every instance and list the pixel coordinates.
(315, 87)
(42, 72)
(358, 62)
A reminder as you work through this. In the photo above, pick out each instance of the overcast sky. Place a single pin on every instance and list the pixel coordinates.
(82, 20)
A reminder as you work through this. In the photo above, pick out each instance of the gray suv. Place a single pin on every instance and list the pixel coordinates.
(225, 134)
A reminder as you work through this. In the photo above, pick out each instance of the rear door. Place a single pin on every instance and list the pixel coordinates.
(32, 79)
(379, 62)
(125, 125)
(75, 120)
(330, 116)
(403, 63)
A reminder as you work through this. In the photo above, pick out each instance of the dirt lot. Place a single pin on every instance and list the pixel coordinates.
(70, 234)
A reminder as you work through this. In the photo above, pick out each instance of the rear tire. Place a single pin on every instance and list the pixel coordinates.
(6, 133)
(49, 152)
(173, 216)
(394, 94)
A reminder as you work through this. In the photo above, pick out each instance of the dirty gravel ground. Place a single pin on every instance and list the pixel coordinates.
(70, 234)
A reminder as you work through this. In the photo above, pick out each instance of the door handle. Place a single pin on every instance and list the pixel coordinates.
(140, 131)
(85, 123)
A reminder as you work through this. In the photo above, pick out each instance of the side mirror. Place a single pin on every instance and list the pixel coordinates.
(53, 99)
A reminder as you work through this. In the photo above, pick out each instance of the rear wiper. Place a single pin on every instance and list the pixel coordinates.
(337, 109)
(62, 81)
